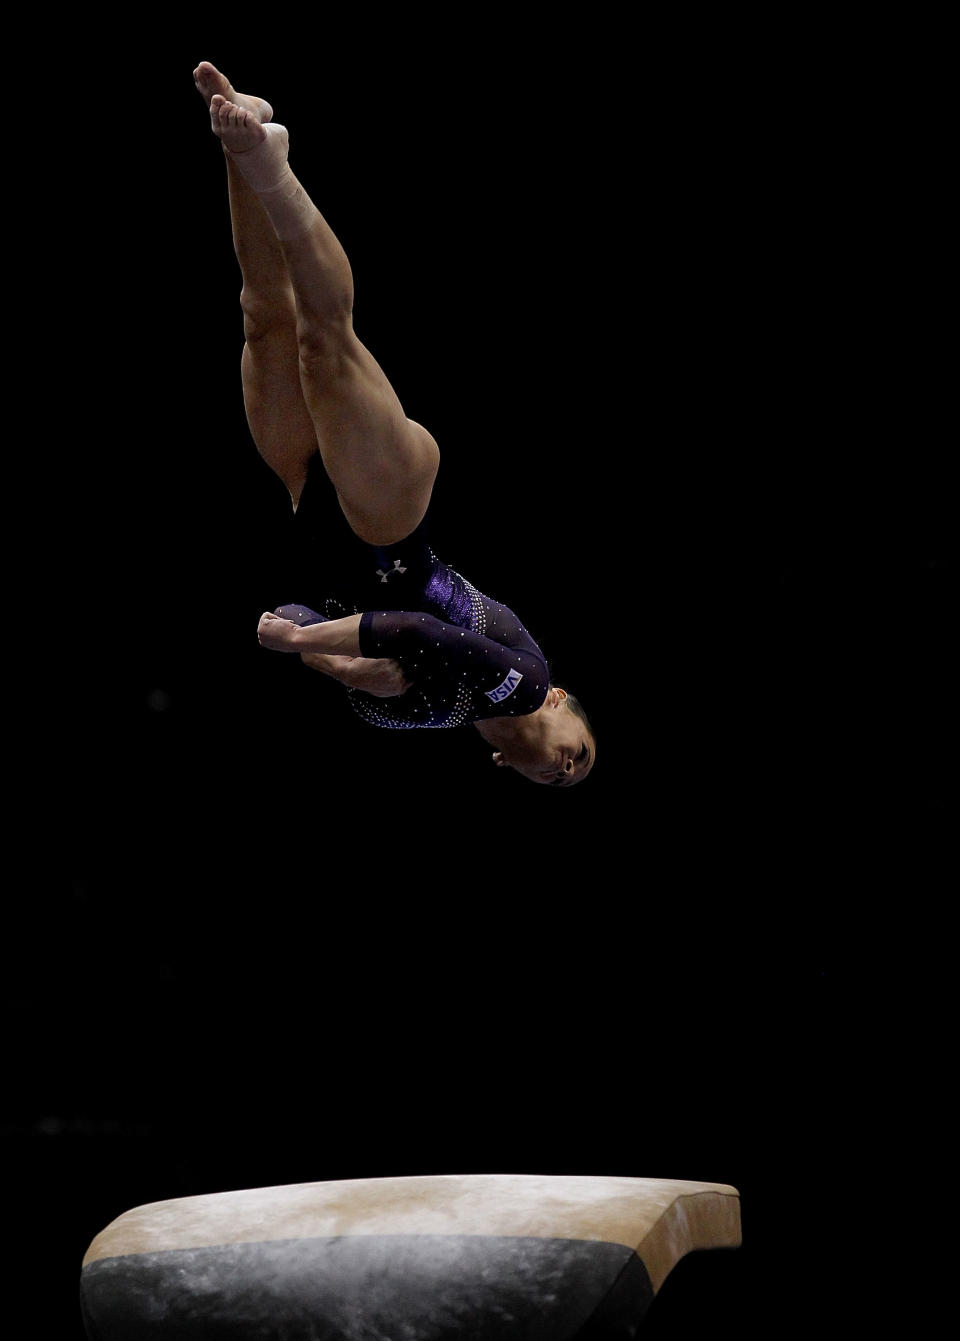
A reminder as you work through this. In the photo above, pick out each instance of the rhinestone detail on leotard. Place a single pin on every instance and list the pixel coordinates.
(467, 613)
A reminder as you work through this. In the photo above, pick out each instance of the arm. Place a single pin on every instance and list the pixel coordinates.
(428, 648)
(332, 647)
(337, 637)
(379, 676)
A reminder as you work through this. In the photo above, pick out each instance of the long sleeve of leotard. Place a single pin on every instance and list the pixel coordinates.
(501, 680)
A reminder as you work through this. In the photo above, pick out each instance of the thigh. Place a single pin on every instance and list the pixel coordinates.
(382, 464)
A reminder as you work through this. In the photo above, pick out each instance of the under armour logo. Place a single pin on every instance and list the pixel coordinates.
(390, 571)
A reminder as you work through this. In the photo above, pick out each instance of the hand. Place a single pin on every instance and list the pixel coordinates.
(277, 634)
(379, 676)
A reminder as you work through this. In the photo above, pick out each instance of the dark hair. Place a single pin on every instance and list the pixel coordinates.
(576, 707)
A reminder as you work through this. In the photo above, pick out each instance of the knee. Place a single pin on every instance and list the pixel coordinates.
(266, 316)
(325, 344)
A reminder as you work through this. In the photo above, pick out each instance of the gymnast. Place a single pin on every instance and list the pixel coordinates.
(413, 641)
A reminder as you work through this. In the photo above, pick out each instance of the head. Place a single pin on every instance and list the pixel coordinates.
(554, 746)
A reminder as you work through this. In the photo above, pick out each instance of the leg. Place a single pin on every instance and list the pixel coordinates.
(382, 464)
(279, 420)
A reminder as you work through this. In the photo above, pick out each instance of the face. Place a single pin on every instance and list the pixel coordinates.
(560, 754)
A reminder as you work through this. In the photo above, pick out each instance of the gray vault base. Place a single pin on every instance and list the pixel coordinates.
(486, 1257)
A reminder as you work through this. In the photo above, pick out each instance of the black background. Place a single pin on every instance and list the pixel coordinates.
(666, 301)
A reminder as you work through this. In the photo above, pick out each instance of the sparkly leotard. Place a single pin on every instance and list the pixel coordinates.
(467, 656)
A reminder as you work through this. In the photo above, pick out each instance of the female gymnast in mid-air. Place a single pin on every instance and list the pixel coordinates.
(423, 647)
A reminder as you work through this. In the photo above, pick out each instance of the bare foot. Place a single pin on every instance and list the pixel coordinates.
(259, 151)
(210, 81)
(239, 129)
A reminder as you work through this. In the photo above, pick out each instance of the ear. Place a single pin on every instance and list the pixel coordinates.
(561, 696)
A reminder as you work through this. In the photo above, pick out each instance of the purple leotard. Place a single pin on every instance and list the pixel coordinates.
(467, 656)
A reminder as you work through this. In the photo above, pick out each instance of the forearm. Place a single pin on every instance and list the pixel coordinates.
(326, 664)
(379, 676)
(333, 638)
